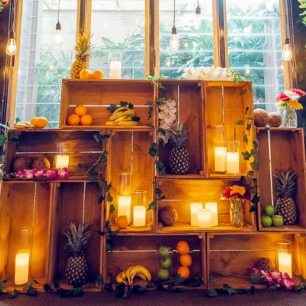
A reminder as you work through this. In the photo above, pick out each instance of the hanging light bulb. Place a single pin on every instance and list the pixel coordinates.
(174, 41)
(58, 38)
(11, 48)
(197, 22)
(287, 52)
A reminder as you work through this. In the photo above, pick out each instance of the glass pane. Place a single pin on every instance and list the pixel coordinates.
(196, 45)
(119, 26)
(254, 46)
(43, 63)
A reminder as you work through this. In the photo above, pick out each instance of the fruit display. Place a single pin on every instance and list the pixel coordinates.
(285, 205)
(261, 117)
(179, 160)
(76, 242)
(265, 264)
(126, 277)
(270, 218)
(124, 115)
(80, 116)
(123, 222)
(168, 216)
(85, 74)
(275, 119)
(185, 259)
(21, 163)
(40, 163)
(36, 122)
(165, 262)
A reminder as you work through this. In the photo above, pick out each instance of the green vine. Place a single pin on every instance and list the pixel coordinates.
(303, 6)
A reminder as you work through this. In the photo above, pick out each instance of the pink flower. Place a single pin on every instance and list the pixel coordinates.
(21, 174)
(288, 283)
(282, 97)
(268, 278)
(62, 173)
(276, 275)
(39, 173)
(298, 91)
(51, 173)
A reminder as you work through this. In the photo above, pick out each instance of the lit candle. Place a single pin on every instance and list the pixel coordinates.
(204, 218)
(124, 207)
(139, 216)
(233, 162)
(213, 207)
(115, 70)
(220, 159)
(285, 263)
(62, 161)
(22, 261)
(194, 213)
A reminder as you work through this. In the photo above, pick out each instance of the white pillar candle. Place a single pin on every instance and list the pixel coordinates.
(285, 263)
(220, 159)
(204, 218)
(124, 207)
(213, 207)
(194, 213)
(115, 70)
(139, 216)
(232, 162)
(62, 161)
(22, 262)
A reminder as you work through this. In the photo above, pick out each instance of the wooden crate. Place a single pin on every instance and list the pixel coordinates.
(128, 152)
(142, 250)
(81, 147)
(237, 97)
(190, 111)
(230, 256)
(98, 95)
(287, 154)
(25, 204)
(181, 193)
(76, 202)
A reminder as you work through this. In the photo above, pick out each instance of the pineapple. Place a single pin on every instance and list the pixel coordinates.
(285, 205)
(179, 160)
(82, 53)
(76, 241)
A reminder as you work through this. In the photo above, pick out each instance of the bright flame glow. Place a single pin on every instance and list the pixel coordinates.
(287, 53)
(174, 42)
(197, 22)
(58, 38)
(11, 48)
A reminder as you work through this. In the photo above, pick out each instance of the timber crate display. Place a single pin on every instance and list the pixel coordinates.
(100, 98)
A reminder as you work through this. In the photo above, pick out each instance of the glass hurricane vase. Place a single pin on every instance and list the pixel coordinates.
(236, 212)
(290, 117)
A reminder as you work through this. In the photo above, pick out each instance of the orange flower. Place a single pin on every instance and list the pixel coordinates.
(237, 189)
(295, 104)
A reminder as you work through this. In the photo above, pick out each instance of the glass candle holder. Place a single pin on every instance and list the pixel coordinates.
(115, 65)
(218, 137)
(213, 207)
(194, 213)
(232, 157)
(124, 195)
(139, 208)
(62, 158)
(23, 239)
(283, 256)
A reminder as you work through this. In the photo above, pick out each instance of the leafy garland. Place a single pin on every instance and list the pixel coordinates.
(303, 6)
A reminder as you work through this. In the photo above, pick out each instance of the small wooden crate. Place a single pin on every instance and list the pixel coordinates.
(230, 256)
(287, 154)
(181, 193)
(81, 147)
(237, 97)
(189, 99)
(98, 95)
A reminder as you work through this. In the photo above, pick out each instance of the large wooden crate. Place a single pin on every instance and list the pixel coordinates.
(181, 193)
(98, 95)
(230, 256)
(287, 154)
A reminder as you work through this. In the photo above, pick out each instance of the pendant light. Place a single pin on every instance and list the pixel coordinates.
(58, 38)
(174, 41)
(11, 47)
(287, 52)
(197, 22)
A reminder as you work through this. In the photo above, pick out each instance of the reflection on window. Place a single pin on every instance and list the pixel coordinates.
(42, 63)
(118, 26)
(196, 40)
(254, 46)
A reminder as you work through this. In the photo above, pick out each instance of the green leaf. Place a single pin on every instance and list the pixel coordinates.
(300, 277)
(112, 108)
(47, 288)
(31, 291)
(109, 197)
(17, 120)
(135, 118)
(78, 291)
(250, 173)
(109, 245)
(255, 144)
(152, 206)
(153, 149)
(138, 290)
(246, 155)
(239, 122)
(253, 208)
(254, 153)
(149, 103)
(124, 104)
(249, 126)
(15, 294)
(103, 184)
(2, 140)
(255, 165)
(246, 110)
(13, 137)
(212, 293)
(158, 191)
(255, 200)
(101, 233)
(160, 167)
(162, 131)
(101, 198)
(245, 139)
(91, 177)
(150, 111)
(229, 289)
(99, 280)
(111, 208)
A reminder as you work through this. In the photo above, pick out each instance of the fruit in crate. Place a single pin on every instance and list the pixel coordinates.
(86, 120)
(183, 272)
(165, 262)
(122, 222)
(265, 264)
(269, 210)
(278, 220)
(97, 75)
(286, 189)
(182, 247)
(179, 160)
(74, 119)
(40, 163)
(163, 274)
(85, 74)
(21, 163)
(128, 275)
(168, 216)
(40, 122)
(82, 53)
(261, 117)
(266, 221)
(124, 115)
(81, 110)
(163, 252)
(76, 243)
(275, 119)
(186, 260)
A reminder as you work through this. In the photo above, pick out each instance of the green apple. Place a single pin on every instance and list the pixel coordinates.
(269, 210)
(163, 274)
(266, 221)
(278, 220)
(165, 262)
(163, 252)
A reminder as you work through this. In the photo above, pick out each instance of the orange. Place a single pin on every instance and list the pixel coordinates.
(40, 122)
(97, 75)
(85, 74)
(123, 222)
(182, 247)
(32, 120)
(86, 120)
(186, 260)
(81, 110)
(74, 119)
(183, 272)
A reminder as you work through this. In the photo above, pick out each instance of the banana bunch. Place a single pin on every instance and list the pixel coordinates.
(23, 125)
(128, 275)
(123, 116)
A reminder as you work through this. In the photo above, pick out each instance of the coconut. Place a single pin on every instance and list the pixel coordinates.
(40, 163)
(168, 215)
(21, 163)
(265, 264)
(261, 117)
(275, 119)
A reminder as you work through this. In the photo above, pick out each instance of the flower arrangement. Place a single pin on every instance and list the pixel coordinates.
(208, 73)
(48, 173)
(235, 192)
